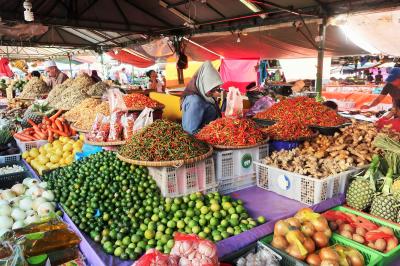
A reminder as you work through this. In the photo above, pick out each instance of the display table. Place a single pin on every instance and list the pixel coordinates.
(354, 100)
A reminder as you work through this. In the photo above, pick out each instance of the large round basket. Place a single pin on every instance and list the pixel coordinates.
(176, 163)
(79, 129)
(105, 143)
(222, 147)
(160, 107)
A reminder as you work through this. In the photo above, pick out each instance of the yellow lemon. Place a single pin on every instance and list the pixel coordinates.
(67, 147)
(66, 154)
(42, 159)
(77, 145)
(49, 164)
(28, 160)
(61, 161)
(42, 150)
(69, 159)
(34, 152)
(47, 146)
(58, 151)
(25, 154)
(48, 155)
(55, 158)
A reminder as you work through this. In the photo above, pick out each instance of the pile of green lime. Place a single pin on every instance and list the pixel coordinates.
(119, 205)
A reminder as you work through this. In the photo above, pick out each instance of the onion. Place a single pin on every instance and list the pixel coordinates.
(320, 224)
(293, 222)
(29, 182)
(3, 202)
(293, 251)
(355, 257)
(329, 263)
(309, 245)
(43, 185)
(307, 229)
(279, 242)
(18, 189)
(48, 195)
(5, 210)
(281, 228)
(45, 208)
(14, 202)
(7, 194)
(30, 219)
(18, 214)
(5, 222)
(18, 224)
(328, 254)
(26, 204)
(313, 260)
(320, 239)
(37, 202)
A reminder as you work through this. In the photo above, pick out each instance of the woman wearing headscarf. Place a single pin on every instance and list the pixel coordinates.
(197, 103)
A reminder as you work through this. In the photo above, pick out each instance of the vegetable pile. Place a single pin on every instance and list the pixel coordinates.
(51, 128)
(119, 205)
(34, 88)
(231, 132)
(12, 169)
(85, 117)
(329, 155)
(361, 230)
(288, 131)
(139, 101)
(98, 89)
(25, 204)
(50, 156)
(163, 140)
(304, 110)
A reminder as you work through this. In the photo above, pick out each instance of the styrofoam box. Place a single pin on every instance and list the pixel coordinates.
(230, 185)
(308, 190)
(235, 163)
(186, 179)
(27, 145)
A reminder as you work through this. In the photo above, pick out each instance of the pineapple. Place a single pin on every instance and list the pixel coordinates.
(362, 189)
(385, 205)
(36, 112)
(396, 189)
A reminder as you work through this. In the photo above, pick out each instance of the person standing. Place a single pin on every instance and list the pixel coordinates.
(95, 77)
(378, 77)
(154, 83)
(123, 77)
(392, 88)
(56, 77)
(198, 102)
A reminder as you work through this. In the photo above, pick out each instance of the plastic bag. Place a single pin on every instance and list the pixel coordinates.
(103, 131)
(154, 257)
(234, 103)
(394, 124)
(194, 251)
(145, 118)
(13, 254)
(115, 127)
(260, 105)
(127, 121)
(116, 101)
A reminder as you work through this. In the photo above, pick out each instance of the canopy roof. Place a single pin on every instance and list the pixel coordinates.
(94, 23)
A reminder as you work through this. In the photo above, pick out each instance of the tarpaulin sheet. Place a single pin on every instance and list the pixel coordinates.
(5, 68)
(240, 85)
(358, 98)
(128, 56)
(238, 70)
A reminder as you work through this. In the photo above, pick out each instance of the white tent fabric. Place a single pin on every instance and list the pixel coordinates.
(377, 33)
(304, 68)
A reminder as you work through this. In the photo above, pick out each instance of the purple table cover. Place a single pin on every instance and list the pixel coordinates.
(257, 201)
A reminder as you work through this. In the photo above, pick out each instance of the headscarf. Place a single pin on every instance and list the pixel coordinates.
(205, 79)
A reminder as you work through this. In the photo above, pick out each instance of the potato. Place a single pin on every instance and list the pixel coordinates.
(346, 234)
(361, 231)
(380, 245)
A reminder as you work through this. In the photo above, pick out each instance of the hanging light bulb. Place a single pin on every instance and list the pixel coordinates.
(238, 39)
(28, 14)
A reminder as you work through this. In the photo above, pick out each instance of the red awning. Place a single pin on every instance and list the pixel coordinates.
(129, 56)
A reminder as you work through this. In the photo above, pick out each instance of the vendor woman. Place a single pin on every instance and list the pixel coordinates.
(392, 88)
(154, 83)
(198, 102)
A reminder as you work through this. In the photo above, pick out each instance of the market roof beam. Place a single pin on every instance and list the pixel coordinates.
(148, 13)
(122, 13)
(215, 10)
(89, 6)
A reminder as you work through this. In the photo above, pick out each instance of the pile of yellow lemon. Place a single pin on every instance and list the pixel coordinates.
(59, 153)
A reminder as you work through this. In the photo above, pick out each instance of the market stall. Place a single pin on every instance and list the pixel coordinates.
(354, 100)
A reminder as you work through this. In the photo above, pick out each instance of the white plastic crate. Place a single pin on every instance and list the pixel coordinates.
(186, 179)
(27, 145)
(307, 190)
(235, 163)
(10, 158)
(230, 185)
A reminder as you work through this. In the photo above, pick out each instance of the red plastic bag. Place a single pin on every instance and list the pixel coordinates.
(115, 127)
(154, 257)
(116, 101)
(394, 124)
(194, 251)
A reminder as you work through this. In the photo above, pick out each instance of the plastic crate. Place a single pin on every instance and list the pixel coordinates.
(8, 180)
(186, 179)
(371, 259)
(27, 145)
(10, 158)
(308, 190)
(230, 185)
(278, 145)
(235, 163)
(384, 258)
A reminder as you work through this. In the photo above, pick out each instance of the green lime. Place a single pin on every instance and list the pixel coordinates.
(171, 224)
(118, 251)
(149, 234)
(215, 207)
(170, 243)
(196, 229)
(261, 219)
(180, 224)
(126, 241)
(204, 210)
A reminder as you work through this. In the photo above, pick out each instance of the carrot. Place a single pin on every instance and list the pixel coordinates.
(54, 126)
(36, 136)
(23, 137)
(54, 117)
(66, 130)
(32, 123)
(47, 120)
(28, 130)
(50, 138)
(40, 134)
(59, 132)
(59, 125)
(73, 131)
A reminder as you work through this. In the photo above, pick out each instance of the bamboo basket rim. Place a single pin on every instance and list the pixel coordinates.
(223, 147)
(160, 107)
(175, 163)
(105, 143)
(79, 129)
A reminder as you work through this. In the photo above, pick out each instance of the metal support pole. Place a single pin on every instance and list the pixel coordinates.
(70, 64)
(320, 67)
(181, 79)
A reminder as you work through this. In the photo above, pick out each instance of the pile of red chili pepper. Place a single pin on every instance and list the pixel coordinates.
(231, 132)
(163, 140)
(288, 131)
(303, 110)
(140, 101)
